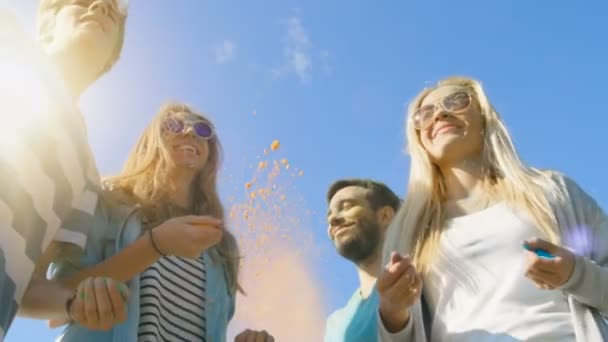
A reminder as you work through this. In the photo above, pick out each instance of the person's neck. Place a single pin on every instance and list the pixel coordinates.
(368, 271)
(182, 195)
(76, 73)
(463, 179)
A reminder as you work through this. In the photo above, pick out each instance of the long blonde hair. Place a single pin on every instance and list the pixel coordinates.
(417, 226)
(144, 181)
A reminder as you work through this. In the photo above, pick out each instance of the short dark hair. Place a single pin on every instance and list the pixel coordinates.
(380, 195)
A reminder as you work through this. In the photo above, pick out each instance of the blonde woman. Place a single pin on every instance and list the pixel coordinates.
(486, 248)
(160, 227)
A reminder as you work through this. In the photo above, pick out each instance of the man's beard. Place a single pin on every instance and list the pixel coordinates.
(361, 243)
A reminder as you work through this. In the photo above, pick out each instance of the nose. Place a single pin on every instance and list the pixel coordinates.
(440, 113)
(189, 131)
(335, 221)
(101, 5)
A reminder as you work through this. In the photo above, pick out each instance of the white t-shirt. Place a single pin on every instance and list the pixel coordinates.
(477, 290)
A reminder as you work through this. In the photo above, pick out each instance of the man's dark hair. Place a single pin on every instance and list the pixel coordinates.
(379, 195)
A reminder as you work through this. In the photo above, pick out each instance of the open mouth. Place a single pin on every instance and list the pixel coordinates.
(444, 128)
(186, 148)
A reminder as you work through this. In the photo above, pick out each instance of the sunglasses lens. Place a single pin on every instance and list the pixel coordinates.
(457, 102)
(174, 125)
(423, 116)
(203, 130)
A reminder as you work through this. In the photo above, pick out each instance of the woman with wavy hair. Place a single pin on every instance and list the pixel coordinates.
(160, 227)
(485, 247)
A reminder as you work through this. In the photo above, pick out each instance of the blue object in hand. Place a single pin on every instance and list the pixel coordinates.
(540, 252)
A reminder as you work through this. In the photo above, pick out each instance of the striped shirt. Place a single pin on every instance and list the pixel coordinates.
(172, 300)
(46, 165)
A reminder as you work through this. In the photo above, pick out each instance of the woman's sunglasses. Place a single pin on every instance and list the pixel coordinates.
(454, 103)
(176, 126)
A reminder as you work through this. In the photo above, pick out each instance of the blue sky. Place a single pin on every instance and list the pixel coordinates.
(331, 80)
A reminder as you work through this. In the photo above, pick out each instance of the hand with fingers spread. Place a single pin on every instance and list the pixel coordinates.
(548, 273)
(99, 303)
(254, 336)
(399, 286)
(187, 236)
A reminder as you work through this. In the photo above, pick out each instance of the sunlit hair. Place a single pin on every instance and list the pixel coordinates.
(418, 224)
(144, 180)
(46, 24)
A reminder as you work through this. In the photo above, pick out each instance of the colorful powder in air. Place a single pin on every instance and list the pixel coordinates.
(273, 229)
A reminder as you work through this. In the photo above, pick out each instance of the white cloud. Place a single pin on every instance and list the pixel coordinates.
(225, 51)
(296, 50)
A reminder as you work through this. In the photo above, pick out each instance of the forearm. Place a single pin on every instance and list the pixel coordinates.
(122, 267)
(390, 331)
(589, 284)
(45, 299)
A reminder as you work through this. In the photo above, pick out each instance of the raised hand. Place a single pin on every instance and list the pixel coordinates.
(548, 272)
(187, 236)
(399, 286)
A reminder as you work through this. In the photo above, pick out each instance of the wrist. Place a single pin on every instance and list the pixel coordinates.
(153, 243)
(394, 320)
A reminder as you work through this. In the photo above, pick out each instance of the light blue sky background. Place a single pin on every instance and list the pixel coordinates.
(330, 80)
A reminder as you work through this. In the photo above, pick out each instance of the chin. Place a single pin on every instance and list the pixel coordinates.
(90, 44)
(446, 149)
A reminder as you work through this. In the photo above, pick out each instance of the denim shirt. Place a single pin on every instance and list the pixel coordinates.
(115, 228)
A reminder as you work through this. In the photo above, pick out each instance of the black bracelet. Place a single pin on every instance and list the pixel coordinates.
(154, 245)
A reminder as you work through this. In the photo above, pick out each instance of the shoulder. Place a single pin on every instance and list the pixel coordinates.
(352, 304)
(566, 188)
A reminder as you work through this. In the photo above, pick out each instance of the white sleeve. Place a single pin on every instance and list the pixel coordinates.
(405, 334)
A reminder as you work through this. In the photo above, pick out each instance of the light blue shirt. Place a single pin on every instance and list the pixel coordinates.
(356, 322)
(115, 228)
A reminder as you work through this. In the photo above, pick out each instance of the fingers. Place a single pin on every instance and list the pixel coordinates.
(265, 336)
(395, 257)
(540, 263)
(104, 310)
(201, 220)
(406, 288)
(99, 304)
(543, 277)
(77, 310)
(213, 235)
(213, 230)
(90, 303)
(242, 336)
(251, 337)
(117, 300)
(537, 243)
(416, 287)
(392, 273)
(254, 336)
(539, 282)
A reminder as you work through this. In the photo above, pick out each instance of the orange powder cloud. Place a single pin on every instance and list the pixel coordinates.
(283, 296)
